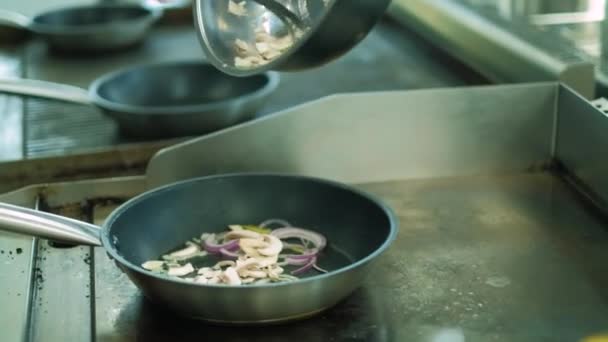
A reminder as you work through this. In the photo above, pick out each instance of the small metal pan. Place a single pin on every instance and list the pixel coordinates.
(358, 229)
(165, 99)
(91, 28)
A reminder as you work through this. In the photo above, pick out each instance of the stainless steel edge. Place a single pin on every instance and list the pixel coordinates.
(21, 266)
(60, 193)
(17, 254)
(11, 108)
(44, 89)
(582, 137)
(118, 161)
(26, 221)
(381, 136)
(498, 53)
(14, 19)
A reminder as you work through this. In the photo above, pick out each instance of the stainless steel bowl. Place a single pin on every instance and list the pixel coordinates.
(246, 37)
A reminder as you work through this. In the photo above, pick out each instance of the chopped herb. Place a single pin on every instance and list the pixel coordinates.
(257, 229)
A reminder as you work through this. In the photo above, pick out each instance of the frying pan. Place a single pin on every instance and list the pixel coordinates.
(358, 229)
(164, 99)
(90, 28)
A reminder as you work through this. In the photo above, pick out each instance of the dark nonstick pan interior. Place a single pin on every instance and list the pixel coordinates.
(177, 86)
(354, 225)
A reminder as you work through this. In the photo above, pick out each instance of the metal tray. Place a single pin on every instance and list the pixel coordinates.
(500, 192)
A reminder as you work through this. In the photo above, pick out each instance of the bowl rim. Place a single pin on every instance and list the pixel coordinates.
(271, 65)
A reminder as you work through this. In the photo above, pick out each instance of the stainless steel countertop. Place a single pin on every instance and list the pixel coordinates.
(508, 258)
(498, 239)
(493, 256)
(390, 58)
(11, 108)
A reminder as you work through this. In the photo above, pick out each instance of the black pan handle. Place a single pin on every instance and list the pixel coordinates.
(49, 226)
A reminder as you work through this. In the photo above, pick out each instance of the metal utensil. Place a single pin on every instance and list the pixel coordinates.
(87, 28)
(358, 229)
(165, 99)
(247, 37)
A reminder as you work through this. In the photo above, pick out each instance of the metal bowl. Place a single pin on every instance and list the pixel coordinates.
(243, 38)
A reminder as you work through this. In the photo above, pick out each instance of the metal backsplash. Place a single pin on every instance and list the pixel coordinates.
(382, 136)
(582, 139)
(503, 51)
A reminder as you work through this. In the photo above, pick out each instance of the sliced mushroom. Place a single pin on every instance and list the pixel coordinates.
(249, 61)
(274, 246)
(224, 263)
(253, 274)
(268, 261)
(208, 272)
(250, 251)
(201, 280)
(275, 272)
(190, 251)
(170, 264)
(231, 277)
(248, 280)
(181, 271)
(247, 263)
(237, 9)
(242, 234)
(253, 243)
(153, 265)
(243, 47)
(250, 246)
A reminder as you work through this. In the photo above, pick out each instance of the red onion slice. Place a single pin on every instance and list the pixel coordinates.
(322, 270)
(298, 233)
(211, 245)
(306, 256)
(298, 261)
(229, 254)
(273, 222)
(306, 267)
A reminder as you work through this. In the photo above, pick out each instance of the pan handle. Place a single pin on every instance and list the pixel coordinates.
(49, 226)
(14, 19)
(50, 90)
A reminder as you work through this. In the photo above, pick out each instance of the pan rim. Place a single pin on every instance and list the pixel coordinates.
(270, 85)
(393, 223)
(148, 15)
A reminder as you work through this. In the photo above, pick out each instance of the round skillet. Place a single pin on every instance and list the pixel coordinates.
(358, 229)
(91, 28)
